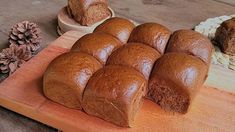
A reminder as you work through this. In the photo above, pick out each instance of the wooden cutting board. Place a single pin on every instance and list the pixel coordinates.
(212, 109)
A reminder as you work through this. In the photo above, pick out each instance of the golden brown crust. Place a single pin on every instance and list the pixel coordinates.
(99, 45)
(225, 36)
(114, 93)
(152, 34)
(118, 27)
(67, 76)
(136, 55)
(192, 43)
(175, 80)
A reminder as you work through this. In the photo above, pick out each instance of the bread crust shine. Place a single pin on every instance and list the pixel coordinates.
(152, 34)
(114, 93)
(175, 80)
(192, 43)
(99, 45)
(118, 27)
(139, 56)
(67, 76)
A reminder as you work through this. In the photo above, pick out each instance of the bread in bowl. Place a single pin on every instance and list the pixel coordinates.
(88, 12)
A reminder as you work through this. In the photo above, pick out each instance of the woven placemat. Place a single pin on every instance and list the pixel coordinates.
(208, 28)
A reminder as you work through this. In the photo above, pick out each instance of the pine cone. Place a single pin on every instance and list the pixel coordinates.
(11, 58)
(26, 33)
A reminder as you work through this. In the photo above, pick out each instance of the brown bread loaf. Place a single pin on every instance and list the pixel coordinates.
(108, 77)
(88, 12)
(175, 80)
(225, 36)
(192, 43)
(99, 45)
(118, 27)
(136, 55)
(67, 76)
(114, 93)
(152, 34)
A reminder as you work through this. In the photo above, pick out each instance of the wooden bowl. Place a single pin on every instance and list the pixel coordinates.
(66, 23)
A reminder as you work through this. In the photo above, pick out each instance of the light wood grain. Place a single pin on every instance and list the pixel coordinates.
(228, 2)
(175, 14)
(212, 109)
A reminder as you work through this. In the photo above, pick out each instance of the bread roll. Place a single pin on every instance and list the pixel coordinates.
(99, 45)
(225, 36)
(88, 12)
(152, 34)
(118, 27)
(114, 93)
(136, 55)
(175, 80)
(67, 76)
(192, 43)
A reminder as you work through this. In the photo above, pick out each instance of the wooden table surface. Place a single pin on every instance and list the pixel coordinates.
(175, 14)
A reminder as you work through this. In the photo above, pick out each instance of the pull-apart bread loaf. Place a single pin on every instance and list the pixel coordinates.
(152, 34)
(114, 93)
(118, 27)
(175, 80)
(88, 12)
(139, 56)
(192, 43)
(108, 77)
(66, 78)
(99, 45)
